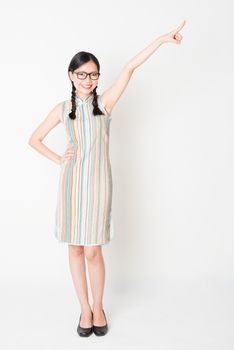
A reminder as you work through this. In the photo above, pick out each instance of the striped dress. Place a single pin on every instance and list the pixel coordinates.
(84, 197)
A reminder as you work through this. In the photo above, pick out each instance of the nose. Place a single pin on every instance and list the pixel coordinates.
(89, 79)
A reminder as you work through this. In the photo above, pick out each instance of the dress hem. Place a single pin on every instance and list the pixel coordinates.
(80, 244)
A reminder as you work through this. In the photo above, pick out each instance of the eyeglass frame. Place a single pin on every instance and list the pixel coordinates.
(87, 74)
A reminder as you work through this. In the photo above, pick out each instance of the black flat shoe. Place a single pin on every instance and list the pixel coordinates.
(100, 330)
(84, 332)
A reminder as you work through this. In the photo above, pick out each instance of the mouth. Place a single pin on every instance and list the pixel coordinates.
(87, 87)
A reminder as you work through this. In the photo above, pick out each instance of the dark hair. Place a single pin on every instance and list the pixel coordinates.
(77, 61)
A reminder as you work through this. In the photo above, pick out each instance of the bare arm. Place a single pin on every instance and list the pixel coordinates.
(35, 140)
(112, 94)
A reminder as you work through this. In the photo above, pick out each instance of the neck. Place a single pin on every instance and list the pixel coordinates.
(83, 97)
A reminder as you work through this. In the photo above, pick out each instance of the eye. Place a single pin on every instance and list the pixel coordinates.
(81, 75)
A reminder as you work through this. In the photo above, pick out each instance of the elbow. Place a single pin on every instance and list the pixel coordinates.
(129, 68)
(32, 141)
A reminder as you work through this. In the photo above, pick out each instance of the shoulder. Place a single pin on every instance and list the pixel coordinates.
(102, 106)
(63, 107)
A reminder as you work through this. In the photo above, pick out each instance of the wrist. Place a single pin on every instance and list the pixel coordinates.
(161, 40)
(58, 160)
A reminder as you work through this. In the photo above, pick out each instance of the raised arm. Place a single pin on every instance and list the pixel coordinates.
(112, 94)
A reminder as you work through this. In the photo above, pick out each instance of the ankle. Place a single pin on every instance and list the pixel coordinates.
(85, 308)
(97, 307)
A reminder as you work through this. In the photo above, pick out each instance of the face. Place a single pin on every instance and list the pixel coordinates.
(86, 86)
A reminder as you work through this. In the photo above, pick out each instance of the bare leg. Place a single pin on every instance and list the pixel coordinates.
(96, 270)
(78, 272)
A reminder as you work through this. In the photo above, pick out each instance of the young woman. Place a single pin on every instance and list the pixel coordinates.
(83, 212)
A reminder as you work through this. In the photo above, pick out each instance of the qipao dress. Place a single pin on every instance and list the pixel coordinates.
(84, 196)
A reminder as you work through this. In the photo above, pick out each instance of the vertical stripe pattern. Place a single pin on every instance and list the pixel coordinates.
(84, 197)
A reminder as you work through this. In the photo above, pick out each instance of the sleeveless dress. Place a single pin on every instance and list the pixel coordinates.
(84, 196)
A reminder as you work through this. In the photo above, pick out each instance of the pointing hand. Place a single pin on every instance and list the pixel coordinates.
(174, 36)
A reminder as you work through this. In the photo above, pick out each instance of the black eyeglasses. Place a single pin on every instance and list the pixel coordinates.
(83, 75)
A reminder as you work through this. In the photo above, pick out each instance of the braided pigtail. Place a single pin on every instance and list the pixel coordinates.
(72, 114)
(96, 110)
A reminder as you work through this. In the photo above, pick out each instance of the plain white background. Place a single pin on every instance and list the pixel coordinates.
(170, 267)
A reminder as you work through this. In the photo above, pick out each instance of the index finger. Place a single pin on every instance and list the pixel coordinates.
(180, 27)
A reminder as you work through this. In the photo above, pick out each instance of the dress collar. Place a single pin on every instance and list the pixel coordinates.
(87, 99)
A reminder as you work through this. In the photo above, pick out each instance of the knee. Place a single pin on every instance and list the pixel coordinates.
(75, 250)
(92, 253)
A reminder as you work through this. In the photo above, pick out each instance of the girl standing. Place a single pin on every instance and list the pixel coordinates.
(83, 213)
